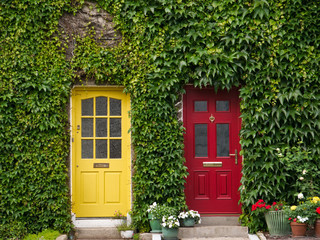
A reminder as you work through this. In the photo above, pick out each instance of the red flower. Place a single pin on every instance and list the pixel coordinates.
(254, 207)
(295, 220)
(274, 203)
(276, 209)
(260, 200)
(290, 219)
(268, 207)
(318, 210)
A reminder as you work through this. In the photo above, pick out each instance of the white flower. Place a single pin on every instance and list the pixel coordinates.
(301, 178)
(301, 219)
(304, 172)
(280, 155)
(300, 196)
(278, 149)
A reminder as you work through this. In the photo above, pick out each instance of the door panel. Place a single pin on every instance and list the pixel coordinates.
(100, 152)
(212, 122)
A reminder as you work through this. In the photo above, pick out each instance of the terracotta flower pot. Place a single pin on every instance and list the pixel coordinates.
(317, 228)
(298, 229)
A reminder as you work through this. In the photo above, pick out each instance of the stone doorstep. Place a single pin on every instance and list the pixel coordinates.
(213, 231)
(219, 221)
(207, 232)
(210, 228)
(97, 233)
(203, 232)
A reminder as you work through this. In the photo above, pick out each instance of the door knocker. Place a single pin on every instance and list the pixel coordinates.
(212, 118)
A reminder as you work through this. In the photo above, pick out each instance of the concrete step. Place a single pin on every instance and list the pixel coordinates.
(208, 232)
(219, 221)
(217, 228)
(98, 233)
(213, 232)
(218, 238)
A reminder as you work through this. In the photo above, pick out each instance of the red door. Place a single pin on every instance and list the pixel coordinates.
(212, 122)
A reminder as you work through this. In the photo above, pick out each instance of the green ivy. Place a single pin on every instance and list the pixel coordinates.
(270, 49)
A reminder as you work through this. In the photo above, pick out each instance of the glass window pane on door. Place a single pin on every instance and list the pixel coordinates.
(115, 148)
(87, 107)
(200, 106)
(87, 127)
(223, 140)
(101, 127)
(115, 107)
(86, 148)
(101, 106)
(201, 140)
(102, 148)
(115, 127)
(222, 106)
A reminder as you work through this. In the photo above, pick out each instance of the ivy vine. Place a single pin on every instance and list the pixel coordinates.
(268, 48)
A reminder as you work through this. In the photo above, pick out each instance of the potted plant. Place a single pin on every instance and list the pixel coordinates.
(316, 201)
(190, 218)
(170, 227)
(126, 231)
(301, 215)
(154, 216)
(276, 219)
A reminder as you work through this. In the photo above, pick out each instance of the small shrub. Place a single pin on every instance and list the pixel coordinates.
(47, 234)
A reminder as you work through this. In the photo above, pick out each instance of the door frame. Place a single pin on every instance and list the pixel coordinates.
(91, 221)
(185, 110)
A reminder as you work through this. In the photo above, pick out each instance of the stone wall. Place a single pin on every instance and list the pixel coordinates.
(86, 19)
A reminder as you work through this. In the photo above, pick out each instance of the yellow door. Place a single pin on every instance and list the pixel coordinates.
(101, 176)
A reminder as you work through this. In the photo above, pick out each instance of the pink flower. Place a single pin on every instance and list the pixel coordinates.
(274, 203)
(295, 220)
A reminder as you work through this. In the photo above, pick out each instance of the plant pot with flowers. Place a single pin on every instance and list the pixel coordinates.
(190, 218)
(316, 201)
(276, 219)
(126, 231)
(170, 227)
(154, 216)
(300, 216)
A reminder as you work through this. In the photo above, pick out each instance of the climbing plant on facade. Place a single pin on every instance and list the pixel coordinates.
(269, 49)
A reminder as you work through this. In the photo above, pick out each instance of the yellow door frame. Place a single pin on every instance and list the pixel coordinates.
(124, 175)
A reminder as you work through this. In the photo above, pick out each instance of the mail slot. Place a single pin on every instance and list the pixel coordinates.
(212, 164)
(101, 165)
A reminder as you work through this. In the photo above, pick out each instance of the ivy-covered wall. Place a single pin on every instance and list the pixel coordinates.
(268, 48)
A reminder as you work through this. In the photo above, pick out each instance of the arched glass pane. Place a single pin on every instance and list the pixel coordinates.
(87, 107)
(115, 107)
(101, 106)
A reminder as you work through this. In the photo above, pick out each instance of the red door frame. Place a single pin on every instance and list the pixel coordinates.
(203, 187)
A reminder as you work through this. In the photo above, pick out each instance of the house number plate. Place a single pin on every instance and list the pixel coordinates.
(101, 165)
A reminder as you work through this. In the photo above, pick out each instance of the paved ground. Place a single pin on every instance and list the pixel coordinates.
(309, 236)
